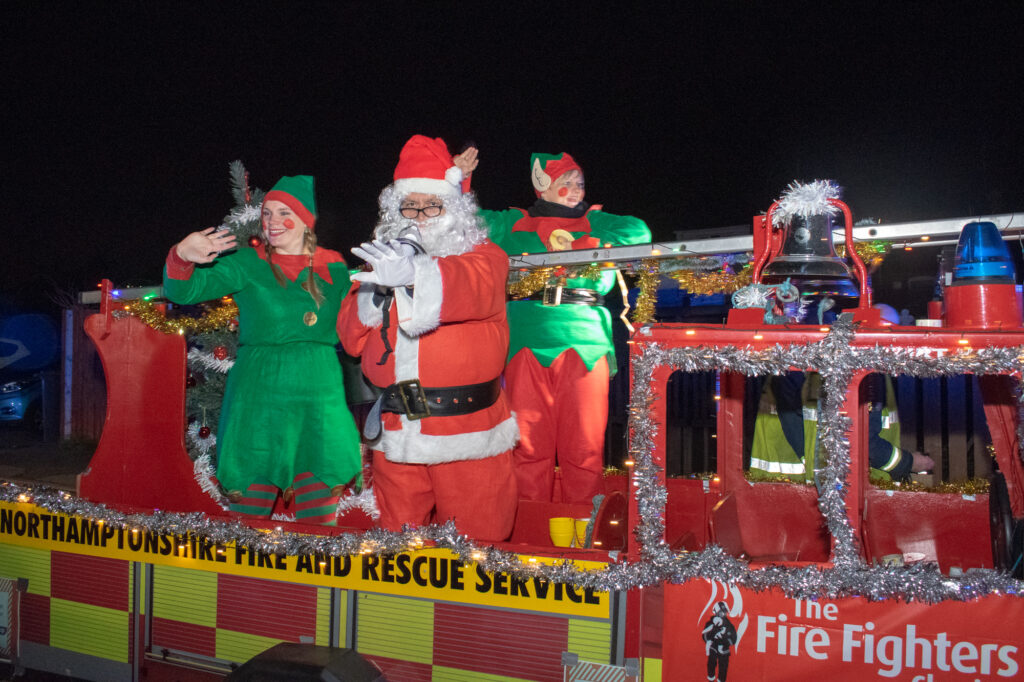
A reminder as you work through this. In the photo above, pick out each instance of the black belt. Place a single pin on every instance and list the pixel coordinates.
(416, 401)
(561, 295)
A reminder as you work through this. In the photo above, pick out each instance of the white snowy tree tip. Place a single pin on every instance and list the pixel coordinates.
(806, 199)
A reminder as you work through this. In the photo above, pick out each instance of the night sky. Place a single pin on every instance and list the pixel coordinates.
(121, 118)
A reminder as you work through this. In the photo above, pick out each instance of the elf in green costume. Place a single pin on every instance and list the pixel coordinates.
(561, 354)
(284, 423)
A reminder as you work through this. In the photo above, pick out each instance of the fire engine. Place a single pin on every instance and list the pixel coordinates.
(693, 569)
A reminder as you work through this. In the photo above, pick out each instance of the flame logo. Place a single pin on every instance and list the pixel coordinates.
(732, 598)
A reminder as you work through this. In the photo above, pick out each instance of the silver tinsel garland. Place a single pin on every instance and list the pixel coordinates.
(833, 358)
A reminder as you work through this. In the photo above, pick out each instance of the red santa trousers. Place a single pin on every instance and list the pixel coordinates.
(562, 412)
(472, 492)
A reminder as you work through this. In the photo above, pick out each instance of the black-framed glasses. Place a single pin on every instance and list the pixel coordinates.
(412, 213)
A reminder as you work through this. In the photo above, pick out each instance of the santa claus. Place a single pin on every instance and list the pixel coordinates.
(428, 322)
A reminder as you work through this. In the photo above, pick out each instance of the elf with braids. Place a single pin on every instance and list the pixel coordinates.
(284, 422)
(561, 355)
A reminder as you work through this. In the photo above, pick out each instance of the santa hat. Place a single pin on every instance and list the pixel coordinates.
(296, 192)
(546, 168)
(426, 166)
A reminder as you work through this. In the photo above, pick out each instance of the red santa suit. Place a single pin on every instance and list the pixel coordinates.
(447, 330)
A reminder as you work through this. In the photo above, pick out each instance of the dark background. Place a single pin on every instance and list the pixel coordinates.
(120, 118)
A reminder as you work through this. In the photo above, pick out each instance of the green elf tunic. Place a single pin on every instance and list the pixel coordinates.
(548, 331)
(284, 410)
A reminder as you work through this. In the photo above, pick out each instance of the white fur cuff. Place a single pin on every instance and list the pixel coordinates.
(427, 299)
(369, 314)
(440, 188)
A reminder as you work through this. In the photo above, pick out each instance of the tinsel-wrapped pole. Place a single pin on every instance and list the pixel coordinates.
(834, 477)
(647, 280)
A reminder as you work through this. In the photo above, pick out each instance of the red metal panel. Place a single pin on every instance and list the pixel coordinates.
(950, 529)
(1001, 412)
(141, 458)
(652, 600)
(265, 607)
(686, 519)
(760, 336)
(35, 618)
(772, 522)
(173, 634)
(98, 581)
(527, 646)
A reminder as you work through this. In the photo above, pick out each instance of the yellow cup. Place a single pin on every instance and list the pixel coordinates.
(561, 529)
(581, 531)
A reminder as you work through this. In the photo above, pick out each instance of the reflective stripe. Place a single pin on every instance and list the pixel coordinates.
(894, 459)
(777, 467)
(810, 414)
(889, 419)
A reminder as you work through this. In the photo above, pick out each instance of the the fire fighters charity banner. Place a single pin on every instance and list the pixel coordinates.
(435, 574)
(719, 632)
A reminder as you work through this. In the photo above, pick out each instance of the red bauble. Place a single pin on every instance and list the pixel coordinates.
(220, 352)
(204, 431)
(255, 241)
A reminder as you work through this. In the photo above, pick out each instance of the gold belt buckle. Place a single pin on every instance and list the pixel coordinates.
(552, 295)
(413, 397)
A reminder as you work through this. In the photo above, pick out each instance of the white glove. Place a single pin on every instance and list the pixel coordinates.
(390, 267)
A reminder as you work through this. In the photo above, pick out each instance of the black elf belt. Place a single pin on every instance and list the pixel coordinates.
(562, 295)
(416, 402)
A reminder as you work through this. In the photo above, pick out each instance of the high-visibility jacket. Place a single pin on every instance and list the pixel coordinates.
(775, 453)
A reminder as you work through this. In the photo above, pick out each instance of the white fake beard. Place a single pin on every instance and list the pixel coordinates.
(441, 236)
(456, 232)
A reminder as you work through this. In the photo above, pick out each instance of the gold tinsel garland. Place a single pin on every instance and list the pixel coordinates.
(704, 283)
(872, 253)
(971, 486)
(535, 280)
(647, 279)
(699, 282)
(219, 317)
(530, 283)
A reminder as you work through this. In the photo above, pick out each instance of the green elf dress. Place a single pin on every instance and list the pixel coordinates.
(284, 413)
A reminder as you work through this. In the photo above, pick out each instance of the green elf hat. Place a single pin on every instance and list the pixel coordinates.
(296, 192)
(546, 168)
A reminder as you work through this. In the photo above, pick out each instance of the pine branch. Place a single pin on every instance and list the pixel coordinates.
(239, 182)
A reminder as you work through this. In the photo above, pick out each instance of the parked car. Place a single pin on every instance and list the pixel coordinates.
(21, 400)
